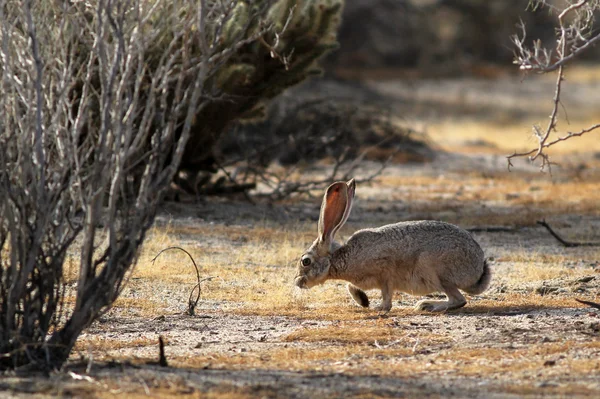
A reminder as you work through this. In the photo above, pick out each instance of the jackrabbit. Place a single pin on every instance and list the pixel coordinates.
(418, 257)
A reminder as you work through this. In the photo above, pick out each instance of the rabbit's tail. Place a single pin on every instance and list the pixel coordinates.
(484, 281)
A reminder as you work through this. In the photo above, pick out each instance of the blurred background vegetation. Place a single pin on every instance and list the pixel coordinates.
(401, 65)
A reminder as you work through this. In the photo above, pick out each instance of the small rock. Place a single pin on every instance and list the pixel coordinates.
(549, 363)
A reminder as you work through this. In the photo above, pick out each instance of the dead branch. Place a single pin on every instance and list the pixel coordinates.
(574, 37)
(162, 359)
(553, 142)
(589, 303)
(316, 128)
(565, 243)
(284, 186)
(494, 229)
(235, 187)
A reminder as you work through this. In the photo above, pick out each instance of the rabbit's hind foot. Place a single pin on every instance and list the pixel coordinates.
(455, 300)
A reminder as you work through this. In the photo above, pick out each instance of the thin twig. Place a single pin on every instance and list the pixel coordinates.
(493, 229)
(565, 243)
(162, 359)
(589, 303)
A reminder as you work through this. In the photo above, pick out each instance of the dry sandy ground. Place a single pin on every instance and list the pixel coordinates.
(526, 336)
(254, 335)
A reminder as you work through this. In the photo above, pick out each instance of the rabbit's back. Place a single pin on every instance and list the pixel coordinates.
(417, 256)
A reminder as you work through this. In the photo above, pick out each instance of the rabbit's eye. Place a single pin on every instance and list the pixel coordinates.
(306, 261)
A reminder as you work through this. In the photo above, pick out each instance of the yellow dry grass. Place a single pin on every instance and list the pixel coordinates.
(505, 137)
(95, 343)
(235, 248)
(582, 73)
(255, 278)
(513, 199)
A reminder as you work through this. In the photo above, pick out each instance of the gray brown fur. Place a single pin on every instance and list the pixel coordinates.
(418, 257)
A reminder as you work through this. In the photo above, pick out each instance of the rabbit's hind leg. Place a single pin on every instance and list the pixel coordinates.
(455, 300)
(358, 295)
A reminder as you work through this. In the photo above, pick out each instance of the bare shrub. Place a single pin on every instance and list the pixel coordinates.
(98, 102)
(575, 36)
(301, 131)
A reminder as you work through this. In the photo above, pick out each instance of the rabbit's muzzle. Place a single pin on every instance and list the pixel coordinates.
(300, 282)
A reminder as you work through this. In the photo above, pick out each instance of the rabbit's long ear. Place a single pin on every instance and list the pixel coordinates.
(335, 210)
(351, 184)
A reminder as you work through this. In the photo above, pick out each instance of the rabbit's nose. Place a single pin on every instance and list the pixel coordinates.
(300, 282)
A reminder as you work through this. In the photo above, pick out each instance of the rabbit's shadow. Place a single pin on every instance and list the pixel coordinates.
(480, 310)
(513, 310)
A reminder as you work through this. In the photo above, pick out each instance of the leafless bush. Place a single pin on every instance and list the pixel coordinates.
(96, 106)
(574, 36)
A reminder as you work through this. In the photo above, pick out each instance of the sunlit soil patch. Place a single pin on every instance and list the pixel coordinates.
(172, 388)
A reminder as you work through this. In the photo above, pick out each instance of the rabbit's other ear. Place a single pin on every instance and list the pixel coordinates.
(351, 187)
(333, 210)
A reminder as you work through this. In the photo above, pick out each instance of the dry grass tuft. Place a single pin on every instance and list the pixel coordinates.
(529, 269)
(99, 343)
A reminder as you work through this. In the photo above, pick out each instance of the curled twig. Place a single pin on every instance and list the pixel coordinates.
(192, 303)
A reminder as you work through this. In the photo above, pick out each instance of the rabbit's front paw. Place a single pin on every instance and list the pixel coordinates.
(384, 307)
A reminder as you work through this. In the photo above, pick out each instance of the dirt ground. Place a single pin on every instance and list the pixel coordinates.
(255, 335)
